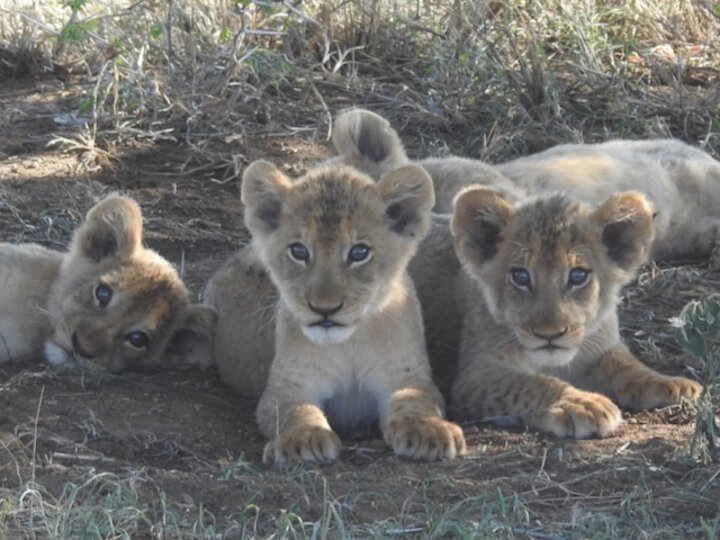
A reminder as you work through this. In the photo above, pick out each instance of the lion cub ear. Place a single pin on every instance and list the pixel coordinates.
(408, 196)
(264, 187)
(363, 135)
(479, 217)
(112, 228)
(626, 222)
(190, 344)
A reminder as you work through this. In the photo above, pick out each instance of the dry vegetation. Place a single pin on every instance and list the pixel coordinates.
(134, 95)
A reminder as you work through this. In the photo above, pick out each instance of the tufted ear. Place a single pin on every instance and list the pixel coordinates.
(112, 228)
(626, 223)
(479, 217)
(408, 196)
(190, 344)
(365, 136)
(264, 187)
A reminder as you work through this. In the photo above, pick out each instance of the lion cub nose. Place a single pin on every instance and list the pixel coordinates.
(549, 333)
(325, 311)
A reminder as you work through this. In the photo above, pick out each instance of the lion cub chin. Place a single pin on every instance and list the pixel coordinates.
(348, 334)
(540, 340)
(108, 303)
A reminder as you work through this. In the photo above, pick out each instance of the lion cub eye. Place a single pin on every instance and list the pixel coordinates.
(103, 294)
(578, 277)
(137, 339)
(358, 253)
(520, 278)
(299, 252)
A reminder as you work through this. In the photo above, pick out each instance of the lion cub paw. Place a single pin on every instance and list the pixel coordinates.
(659, 391)
(580, 415)
(425, 437)
(303, 444)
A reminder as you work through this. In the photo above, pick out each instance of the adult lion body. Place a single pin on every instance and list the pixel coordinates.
(344, 348)
(526, 328)
(681, 182)
(108, 303)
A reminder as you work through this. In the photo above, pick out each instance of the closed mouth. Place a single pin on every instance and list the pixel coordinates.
(550, 347)
(327, 323)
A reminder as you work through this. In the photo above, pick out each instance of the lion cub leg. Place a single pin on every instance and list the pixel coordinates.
(414, 426)
(636, 386)
(298, 430)
(542, 402)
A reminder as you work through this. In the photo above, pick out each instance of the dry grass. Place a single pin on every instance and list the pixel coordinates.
(511, 77)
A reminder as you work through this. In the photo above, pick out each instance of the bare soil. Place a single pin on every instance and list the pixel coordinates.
(196, 444)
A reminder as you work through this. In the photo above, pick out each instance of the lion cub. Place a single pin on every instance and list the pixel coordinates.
(536, 293)
(681, 182)
(108, 303)
(348, 333)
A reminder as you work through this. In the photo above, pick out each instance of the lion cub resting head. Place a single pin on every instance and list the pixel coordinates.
(549, 272)
(349, 348)
(108, 303)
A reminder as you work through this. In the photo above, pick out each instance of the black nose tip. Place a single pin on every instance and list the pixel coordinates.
(325, 311)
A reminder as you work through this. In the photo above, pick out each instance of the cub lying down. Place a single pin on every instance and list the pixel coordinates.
(348, 334)
(535, 292)
(682, 182)
(108, 303)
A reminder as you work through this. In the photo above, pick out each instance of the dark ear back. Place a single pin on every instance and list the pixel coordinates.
(112, 228)
(191, 342)
(263, 190)
(479, 217)
(408, 196)
(626, 223)
(363, 135)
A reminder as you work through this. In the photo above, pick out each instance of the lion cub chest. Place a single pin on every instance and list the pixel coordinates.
(353, 407)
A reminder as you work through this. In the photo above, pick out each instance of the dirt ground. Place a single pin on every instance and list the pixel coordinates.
(182, 441)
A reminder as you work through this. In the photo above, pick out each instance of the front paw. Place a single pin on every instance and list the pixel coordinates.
(580, 415)
(303, 444)
(425, 437)
(658, 391)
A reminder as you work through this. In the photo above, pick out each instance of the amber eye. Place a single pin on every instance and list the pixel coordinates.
(299, 252)
(137, 339)
(103, 294)
(520, 278)
(358, 253)
(578, 277)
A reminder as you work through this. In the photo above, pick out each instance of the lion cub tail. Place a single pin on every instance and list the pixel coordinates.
(366, 141)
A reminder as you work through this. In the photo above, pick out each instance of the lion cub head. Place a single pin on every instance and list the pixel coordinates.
(551, 269)
(334, 240)
(117, 305)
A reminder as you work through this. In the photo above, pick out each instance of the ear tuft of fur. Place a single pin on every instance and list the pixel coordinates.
(361, 136)
(191, 342)
(112, 228)
(408, 196)
(263, 190)
(626, 220)
(479, 216)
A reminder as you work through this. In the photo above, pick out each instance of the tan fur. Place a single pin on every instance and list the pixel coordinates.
(367, 364)
(503, 370)
(49, 300)
(681, 182)
(366, 141)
